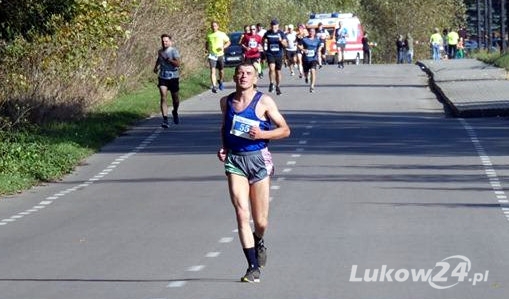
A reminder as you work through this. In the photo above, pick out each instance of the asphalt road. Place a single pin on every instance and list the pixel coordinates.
(377, 194)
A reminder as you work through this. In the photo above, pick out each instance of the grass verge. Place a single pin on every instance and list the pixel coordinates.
(35, 155)
(494, 58)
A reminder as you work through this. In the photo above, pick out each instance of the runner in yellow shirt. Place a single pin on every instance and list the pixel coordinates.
(217, 41)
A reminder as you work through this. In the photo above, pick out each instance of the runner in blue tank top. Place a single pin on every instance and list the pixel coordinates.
(250, 120)
(310, 47)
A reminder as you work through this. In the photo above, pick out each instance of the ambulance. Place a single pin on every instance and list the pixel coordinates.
(330, 21)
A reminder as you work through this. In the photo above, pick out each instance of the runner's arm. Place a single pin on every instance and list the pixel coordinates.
(282, 129)
(221, 153)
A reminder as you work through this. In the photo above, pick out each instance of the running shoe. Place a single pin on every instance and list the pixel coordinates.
(221, 87)
(165, 124)
(252, 275)
(311, 89)
(271, 87)
(292, 74)
(214, 90)
(176, 119)
(278, 90)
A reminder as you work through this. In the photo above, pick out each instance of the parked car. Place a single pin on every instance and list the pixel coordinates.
(233, 55)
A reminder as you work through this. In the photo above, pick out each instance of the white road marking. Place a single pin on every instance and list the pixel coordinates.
(226, 240)
(196, 268)
(489, 170)
(49, 200)
(213, 254)
(176, 284)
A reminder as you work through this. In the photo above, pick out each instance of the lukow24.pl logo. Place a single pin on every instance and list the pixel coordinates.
(446, 274)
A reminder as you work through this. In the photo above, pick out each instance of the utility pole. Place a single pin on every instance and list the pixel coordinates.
(489, 12)
(479, 32)
(485, 25)
(503, 28)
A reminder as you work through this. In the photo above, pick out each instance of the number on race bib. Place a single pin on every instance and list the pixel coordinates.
(241, 126)
(274, 47)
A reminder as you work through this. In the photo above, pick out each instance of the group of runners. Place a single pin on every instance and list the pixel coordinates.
(300, 49)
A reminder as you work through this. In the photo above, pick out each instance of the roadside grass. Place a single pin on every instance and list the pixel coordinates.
(494, 58)
(35, 155)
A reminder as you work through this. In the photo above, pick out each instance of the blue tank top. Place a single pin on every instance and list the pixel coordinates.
(237, 126)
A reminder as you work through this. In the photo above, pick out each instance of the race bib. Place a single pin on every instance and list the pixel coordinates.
(168, 74)
(274, 47)
(241, 126)
(253, 44)
(310, 53)
(212, 56)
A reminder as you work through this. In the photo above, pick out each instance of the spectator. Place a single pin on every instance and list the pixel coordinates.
(435, 42)
(463, 33)
(460, 53)
(400, 49)
(452, 44)
(445, 44)
(409, 42)
(366, 49)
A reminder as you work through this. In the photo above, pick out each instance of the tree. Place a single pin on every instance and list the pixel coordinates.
(386, 19)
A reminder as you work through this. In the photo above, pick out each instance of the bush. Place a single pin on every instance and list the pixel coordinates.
(60, 72)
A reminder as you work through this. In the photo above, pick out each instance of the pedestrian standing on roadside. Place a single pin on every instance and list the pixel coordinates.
(400, 49)
(435, 42)
(445, 43)
(217, 41)
(249, 120)
(409, 44)
(452, 42)
(366, 49)
(460, 53)
(167, 66)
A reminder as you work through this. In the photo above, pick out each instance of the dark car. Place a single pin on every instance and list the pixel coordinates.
(233, 55)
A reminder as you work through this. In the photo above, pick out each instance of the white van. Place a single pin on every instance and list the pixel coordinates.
(330, 21)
